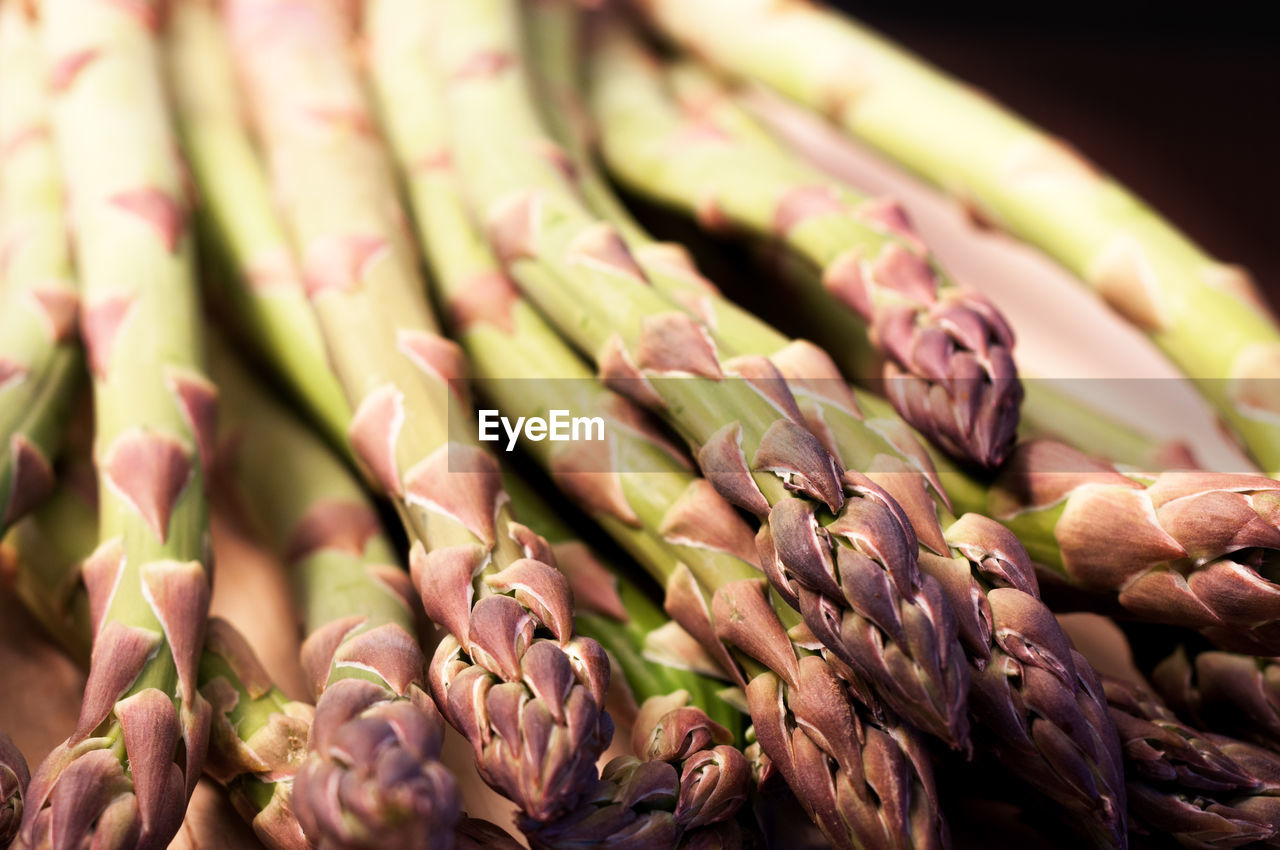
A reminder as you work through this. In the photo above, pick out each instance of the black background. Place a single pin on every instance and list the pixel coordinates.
(1181, 104)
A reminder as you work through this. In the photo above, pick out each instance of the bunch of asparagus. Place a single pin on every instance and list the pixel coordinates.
(783, 577)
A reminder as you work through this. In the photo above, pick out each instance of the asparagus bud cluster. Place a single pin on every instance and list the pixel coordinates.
(1234, 693)
(836, 536)
(257, 735)
(1040, 705)
(1192, 551)
(14, 777)
(682, 789)
(257, 738)
(988, 580)
(687, 780)
(833, 593)
(1204, 790)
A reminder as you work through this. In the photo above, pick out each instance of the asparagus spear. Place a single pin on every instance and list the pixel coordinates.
(1204, 791)
(1232, 693)
(703, 779)
(1073, 758)
(39, 352)
(737, 412)
(256, 273)
(833, 752)
(257, 734)
(14, 777)
(361, 652)
(947, 352)
(127, 771)
(258, 741)
(511, 675)
(1187, 548)
(1016, 176)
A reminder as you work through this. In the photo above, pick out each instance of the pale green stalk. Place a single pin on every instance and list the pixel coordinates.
(134, 759)
(257, 277)
(40, 357)
(1205, 315)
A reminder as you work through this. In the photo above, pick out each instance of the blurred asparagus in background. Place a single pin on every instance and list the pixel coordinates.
(251, 271)
(128, 769)
(1014, 176)
(14, 777)
(40, 358)
(948, 353)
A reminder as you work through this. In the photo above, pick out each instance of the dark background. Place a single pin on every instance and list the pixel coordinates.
(1182, 105)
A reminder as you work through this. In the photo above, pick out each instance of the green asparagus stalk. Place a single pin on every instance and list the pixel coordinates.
(738, 413)
(704, 777)
(947, 352)
(1201, 790)
(256, 273)
(512, 676)
(672, 522)
(1233, 693)
(361, 651)
(127, 771)
(1073, 759)
(1049, 410)
(1052, 413)
(39, 350)
(1016, 176)
(257, 735)
(14, 777)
